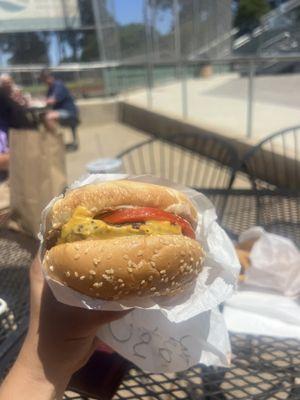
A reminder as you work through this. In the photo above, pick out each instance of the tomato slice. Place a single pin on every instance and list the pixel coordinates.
(144, 214)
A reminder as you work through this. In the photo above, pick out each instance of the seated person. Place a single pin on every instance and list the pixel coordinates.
(61, 101)
(13, 91)
(4, 155)
(12, 115)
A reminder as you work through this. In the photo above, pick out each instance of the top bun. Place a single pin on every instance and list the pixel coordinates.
(105, 196)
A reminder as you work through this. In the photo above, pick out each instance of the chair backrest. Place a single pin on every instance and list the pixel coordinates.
(275, 161)
(200, 161)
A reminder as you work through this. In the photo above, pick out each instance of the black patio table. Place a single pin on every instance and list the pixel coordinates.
(263, 367)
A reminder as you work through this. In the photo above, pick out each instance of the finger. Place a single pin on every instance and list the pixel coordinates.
(36, 274)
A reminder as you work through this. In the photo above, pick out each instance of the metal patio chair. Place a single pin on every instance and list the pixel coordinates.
(204, 162)
(273, 166)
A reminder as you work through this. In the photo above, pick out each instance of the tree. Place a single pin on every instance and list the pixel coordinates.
(27, 48)
(132, 39)
(249, 13)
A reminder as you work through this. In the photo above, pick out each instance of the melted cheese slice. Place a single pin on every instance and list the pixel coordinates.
(83, 226)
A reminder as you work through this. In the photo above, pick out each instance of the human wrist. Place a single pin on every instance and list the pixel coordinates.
(25, 382)
(45, 378)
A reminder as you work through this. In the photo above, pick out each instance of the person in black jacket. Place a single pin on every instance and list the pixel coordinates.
(12, 115)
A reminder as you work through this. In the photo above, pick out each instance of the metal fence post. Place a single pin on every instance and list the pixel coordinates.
(149, 54)
(184, 92)
(250, 99)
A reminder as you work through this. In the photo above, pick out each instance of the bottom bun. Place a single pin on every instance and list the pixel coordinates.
(126, 267)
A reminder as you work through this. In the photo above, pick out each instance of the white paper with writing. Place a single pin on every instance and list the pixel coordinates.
(169, 336)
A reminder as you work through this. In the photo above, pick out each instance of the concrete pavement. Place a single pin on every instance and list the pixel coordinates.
(219, 103)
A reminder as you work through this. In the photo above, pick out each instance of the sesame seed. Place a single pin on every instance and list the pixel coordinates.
(109, 271)
(143, 282)
(92, 272)
(76, 274)
(192, 259)
(126, 257)
(76, 247)
(51, 268)
(153, 289)
(68, 274)
(77, 256)
(120, 280)
(82, 277)
(107, 277)
(166, 279)
(122, 285)
(129, 269)
(152, 263)
(181, 268)
(100, 284)
(150, 278)
(172, 278)
(182, 261)
(173, 283)
(96, 285)
(163, 272)
(156, 294)
(116, 287)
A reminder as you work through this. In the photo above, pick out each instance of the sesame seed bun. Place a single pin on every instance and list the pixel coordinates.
(126, 267)
(101, 197)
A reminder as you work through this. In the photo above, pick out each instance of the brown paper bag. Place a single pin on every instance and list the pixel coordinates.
(37, 174)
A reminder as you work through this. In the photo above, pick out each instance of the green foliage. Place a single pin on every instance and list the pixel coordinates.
(249, 13)
(26, 48)
(132, 39)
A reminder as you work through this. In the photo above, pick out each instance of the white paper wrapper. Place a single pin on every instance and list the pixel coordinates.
(275, 262)
(173, 335)
(263, 313)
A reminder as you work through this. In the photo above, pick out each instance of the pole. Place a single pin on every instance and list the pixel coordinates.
(100, 42)
(177, 43)
(184, 92)
(250, 99)
(149, 54)
(180, 70)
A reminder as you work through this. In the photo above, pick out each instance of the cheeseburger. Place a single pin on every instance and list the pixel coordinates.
(122, 239)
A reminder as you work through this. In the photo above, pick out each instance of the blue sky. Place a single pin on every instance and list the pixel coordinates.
(132, 11)
(129, 11)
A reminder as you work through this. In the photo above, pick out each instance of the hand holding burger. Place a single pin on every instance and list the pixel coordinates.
(123, 239)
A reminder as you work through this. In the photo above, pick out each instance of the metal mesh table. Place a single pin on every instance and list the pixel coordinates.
(263, 368)
(16, 254)
(239, 210)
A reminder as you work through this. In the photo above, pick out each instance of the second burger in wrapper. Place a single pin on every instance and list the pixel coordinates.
(123, 239)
